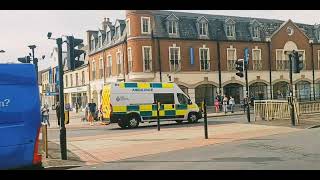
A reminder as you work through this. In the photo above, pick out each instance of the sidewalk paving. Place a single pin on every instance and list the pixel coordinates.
(90, 150)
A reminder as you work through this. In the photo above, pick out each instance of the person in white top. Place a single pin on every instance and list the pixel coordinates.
(45, 114)
(225, 104)
(231, 103)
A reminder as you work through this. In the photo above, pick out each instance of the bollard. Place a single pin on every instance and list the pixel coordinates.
(158, 114)
(204, 107)
(45, 139)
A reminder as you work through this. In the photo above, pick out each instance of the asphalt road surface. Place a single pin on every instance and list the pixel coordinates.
(114, 128)
(297, 151)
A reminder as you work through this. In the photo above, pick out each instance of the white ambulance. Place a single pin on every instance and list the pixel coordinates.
(131, 103)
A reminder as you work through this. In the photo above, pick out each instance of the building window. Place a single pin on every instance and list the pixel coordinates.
(145, 25)
(108, 36)
(318, 59)
(302, 52)
(93, 70)
(71, 80)
(77, 79)
(256, 32)
(128, 27)
(174, 58)
(172, 27)
(231, 58)
(100, 41)
(101, 68)
(282, 62)
(109, 65)
(147, 58)
(118, 31)
(230, 30)
(204, 59)
(82, 80)
(67, 84)
(203, 29)
(119, 63)
(130, 63)
(92, 44)
(256, 59)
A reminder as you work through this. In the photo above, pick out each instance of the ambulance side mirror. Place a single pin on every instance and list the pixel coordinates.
(189, 101)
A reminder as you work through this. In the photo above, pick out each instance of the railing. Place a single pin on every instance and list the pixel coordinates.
(271, 109)
(308, 107)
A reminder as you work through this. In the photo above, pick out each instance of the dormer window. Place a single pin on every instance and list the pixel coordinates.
(230, 30)
(173, 27)
(256, 32)
(118, 31)
(108, 36)
(203, 29)
(100, 40)
(92, 44)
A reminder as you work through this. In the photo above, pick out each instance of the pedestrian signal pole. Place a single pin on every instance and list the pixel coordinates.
(204, 107)
(158, 114)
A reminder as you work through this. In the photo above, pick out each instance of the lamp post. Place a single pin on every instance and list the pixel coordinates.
(35, 60)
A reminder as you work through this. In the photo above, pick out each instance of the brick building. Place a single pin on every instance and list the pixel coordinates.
(198, 52)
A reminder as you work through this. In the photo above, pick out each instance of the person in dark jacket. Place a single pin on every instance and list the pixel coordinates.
(58, 112)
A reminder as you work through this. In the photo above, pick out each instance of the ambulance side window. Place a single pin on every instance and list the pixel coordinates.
(164, 98)
(182, 98)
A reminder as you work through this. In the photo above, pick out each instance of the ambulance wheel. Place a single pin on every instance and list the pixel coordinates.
(179, 121)
(122, 124)
(133, 121)
(192, 118)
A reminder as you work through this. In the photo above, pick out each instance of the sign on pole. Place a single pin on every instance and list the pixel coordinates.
(246, 56)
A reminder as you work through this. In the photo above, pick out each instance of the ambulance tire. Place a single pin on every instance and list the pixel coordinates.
(122, 124)
(133, 120)
(192, 118)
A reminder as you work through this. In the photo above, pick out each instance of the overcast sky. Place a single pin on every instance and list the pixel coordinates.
(18, 29)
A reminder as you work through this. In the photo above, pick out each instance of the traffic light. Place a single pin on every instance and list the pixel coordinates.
(297, 62)
(240, 67)
(73, 53)
(24, 59)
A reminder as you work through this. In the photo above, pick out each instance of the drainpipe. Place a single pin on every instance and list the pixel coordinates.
(270, 69)
(123, 60)
(159, 60)
(219, 66)
(313, 81)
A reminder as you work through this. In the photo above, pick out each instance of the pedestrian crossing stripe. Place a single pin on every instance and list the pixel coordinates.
(144, 85)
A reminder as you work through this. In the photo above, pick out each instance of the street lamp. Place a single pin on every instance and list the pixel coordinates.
(63, 134)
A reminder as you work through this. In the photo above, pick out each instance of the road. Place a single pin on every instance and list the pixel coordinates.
(299, 150)
(114, 128)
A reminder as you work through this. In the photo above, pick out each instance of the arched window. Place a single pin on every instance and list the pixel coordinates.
(258, 91)
(280, 90)
(303, 91)
(207, 91)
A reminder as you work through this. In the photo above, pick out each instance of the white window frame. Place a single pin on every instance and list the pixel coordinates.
(303, 58)
(149, 25)
(208, 58)
(318, 59)
(204, 25)
(100, 41)
(108, 36)
(101, 67)
(175, 27)
(150, 54)
(283, 59)
(93, 69)
(234, 60)
(93, 44)
(118, 59)
(259, 59)
(117, 30)
(256, 32)
(179, 58)
(130, 63)
(109, 65)
(232, 30)
(128, 27)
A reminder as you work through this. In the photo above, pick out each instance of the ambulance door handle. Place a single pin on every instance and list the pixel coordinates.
(172, 105)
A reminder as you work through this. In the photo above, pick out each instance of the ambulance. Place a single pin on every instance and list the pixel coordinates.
(131, 103)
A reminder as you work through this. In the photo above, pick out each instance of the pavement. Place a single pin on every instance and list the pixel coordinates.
(289, 151)
(112, 146)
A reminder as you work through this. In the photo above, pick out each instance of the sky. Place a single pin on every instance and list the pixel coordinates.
(18, 29)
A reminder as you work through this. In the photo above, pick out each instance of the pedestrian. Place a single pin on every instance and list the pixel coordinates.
(225, 104)
(45, 114)
(92, 111)
(217, 104)
(231, 103)
(58, 112)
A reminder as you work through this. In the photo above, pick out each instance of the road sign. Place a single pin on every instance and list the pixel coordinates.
(246, 56)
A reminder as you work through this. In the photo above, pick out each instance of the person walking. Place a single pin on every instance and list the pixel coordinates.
(92, 111)
(58, 112)
(225, 104)
(45, 114)
(231, 103)
(217, 104)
